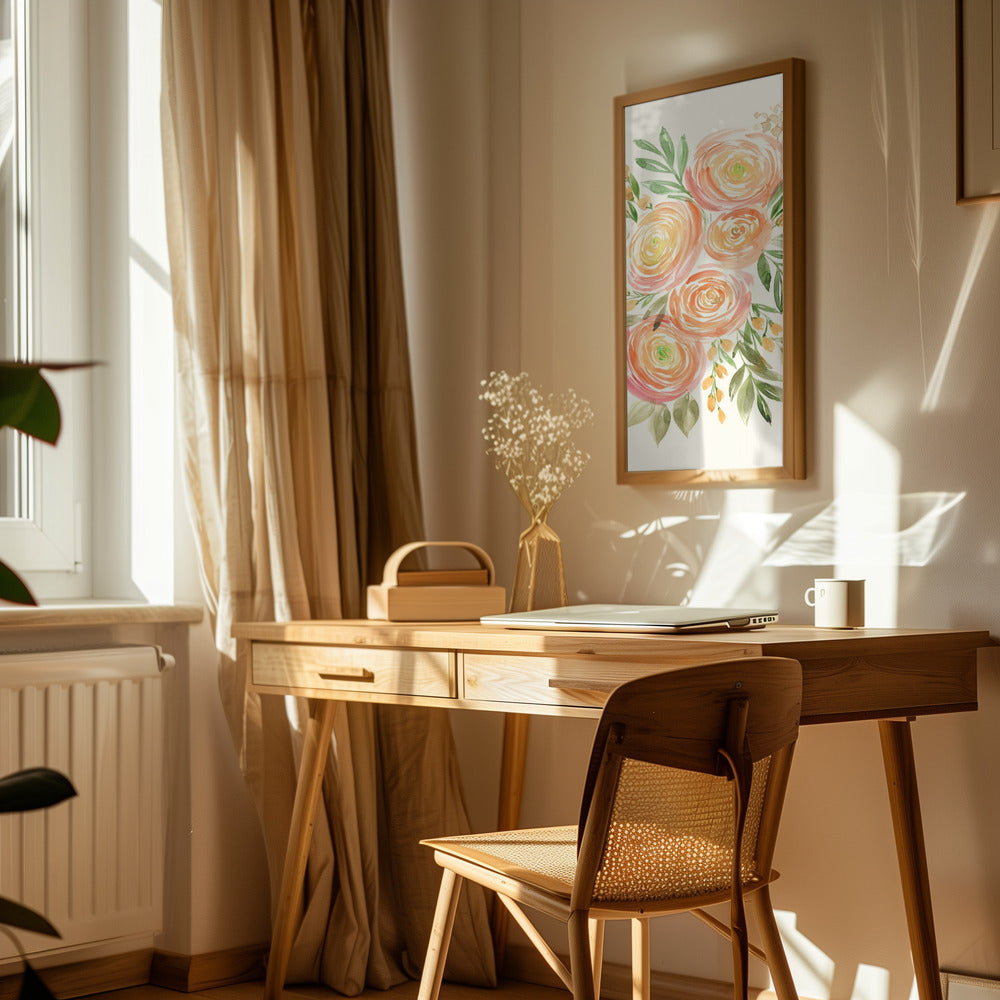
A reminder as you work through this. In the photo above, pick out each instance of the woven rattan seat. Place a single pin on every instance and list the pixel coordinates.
(680, 810)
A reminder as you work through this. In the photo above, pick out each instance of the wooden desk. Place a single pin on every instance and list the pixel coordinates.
(890, 675)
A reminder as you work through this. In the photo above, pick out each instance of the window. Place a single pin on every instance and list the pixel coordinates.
(44, 281)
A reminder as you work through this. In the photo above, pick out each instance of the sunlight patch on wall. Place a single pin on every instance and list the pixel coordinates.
(731, 571)
(866, 475)
(871, 983)
(151, 355)
(811, 968)
(987, 223)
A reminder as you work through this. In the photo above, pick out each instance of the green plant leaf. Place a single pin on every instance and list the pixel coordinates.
(34, 788)
(682, 156)
(657, 305)
(27, 402)
(779, 291)
(745, 400)
(686, 413)
(770, 390)
(15, 915)
(631, 212)
(764, 271)
(725, 355)
(633, 184)
(660, 424)
(648, 164)
(12, 587)
(32, 986)
(667, 145)
(639, 412)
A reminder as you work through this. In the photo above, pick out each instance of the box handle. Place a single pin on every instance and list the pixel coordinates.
(392, 564)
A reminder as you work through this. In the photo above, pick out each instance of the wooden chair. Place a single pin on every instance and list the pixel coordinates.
(680, 810)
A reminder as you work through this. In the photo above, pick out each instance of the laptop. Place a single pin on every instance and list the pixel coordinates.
(654, 618)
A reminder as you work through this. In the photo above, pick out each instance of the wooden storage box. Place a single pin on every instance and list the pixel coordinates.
(447, 595)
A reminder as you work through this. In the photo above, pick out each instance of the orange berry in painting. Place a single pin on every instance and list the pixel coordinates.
(767, 344)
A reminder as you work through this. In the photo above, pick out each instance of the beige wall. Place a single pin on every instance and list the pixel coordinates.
(504, 130)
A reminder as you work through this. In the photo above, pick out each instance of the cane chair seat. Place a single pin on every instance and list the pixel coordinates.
(680, 811)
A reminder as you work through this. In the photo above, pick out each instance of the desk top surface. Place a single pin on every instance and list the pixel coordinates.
(799, 641)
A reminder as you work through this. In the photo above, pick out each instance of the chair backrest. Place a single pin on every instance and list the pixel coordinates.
(687, 774)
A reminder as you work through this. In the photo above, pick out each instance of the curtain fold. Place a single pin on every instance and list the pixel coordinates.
(299, 447)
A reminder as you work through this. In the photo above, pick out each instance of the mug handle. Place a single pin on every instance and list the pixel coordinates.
(812, 591)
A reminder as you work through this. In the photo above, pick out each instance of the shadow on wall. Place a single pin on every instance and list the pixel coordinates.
(716, 559)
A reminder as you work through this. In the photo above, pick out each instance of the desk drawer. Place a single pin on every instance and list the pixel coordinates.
(428, 673)
(581, 682)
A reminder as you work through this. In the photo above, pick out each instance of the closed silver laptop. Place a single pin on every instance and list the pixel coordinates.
(655, 618)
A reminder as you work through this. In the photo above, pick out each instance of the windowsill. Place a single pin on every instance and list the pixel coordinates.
(77, 614)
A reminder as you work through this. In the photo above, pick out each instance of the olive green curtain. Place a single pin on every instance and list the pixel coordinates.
(298, 437)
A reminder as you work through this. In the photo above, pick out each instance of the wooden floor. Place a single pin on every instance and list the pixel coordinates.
(408, 991)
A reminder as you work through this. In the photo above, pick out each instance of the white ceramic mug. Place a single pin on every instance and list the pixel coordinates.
(838, 603)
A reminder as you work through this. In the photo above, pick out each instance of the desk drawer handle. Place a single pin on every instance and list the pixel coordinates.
(579, 684)
(349, 674)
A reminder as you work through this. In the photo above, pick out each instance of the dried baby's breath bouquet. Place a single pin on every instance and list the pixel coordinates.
(530, 439)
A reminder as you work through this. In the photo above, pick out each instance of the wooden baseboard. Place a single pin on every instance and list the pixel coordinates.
(191, 973)
(93, 975)
(524, 964)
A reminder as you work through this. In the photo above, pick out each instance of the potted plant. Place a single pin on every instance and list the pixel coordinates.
(28, 404)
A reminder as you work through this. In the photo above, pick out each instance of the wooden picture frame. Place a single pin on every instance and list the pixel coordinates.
(710, 278)
(977, 92)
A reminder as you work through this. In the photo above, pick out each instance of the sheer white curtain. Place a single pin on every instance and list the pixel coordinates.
(299, 455)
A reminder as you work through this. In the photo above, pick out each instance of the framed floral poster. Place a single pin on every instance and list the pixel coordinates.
(709, 279)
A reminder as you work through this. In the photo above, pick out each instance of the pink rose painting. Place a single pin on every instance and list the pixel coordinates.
(703, 270)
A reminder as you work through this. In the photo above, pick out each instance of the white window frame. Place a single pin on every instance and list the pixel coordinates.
(49, 546)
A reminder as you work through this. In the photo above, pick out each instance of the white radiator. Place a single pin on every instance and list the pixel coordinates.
(92, 865)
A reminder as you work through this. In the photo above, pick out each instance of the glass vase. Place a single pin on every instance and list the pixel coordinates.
(539, 581)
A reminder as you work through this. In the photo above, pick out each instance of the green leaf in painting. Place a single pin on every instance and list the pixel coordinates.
(682, 156)
(12, 587)
(648, 164)
(667, 145)
(648, 146)
(660, 423)
(737, 380)
(779, 292)
(764, 271)
(640, 411)
(666, 187)
(745, 400)
(686, 413)
(763, 408)
(770, 390)
(657, 305)
(777, 202)
(633, 184)
(631, 212)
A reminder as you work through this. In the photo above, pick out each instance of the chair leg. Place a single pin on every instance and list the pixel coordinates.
(640, 959)
(580, 964)
(597, 951)
(437, 947)
(777, 962)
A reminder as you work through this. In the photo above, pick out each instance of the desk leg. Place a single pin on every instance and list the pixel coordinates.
(515, 745)
(901, 779)
(315, 746)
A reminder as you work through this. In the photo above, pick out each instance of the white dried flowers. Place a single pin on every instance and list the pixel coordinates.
(529, 438)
